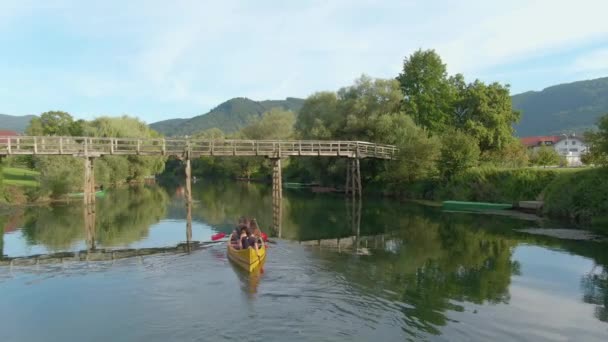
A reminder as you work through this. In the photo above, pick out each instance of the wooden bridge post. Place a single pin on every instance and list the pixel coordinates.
(89, 181)
(188, 226)
(277, 195)
(89, 225)
(353, 178)
(188, 193)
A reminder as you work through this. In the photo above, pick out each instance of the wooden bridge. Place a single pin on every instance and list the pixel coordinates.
(90, 148)
(97, 147)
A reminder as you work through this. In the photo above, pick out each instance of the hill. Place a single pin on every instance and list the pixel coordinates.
(15, 123)
(562, 108)
(229, 116)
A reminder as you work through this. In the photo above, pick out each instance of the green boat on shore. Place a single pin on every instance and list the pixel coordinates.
(474, 206)
(100, 193)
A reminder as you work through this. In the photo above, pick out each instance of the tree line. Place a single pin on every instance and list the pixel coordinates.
(442, 124)
(60, 175)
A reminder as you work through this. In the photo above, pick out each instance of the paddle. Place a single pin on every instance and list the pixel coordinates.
(218, 236)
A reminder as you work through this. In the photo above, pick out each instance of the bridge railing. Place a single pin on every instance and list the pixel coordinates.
(94, 146)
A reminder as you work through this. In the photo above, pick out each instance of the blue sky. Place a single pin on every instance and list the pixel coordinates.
(166, 59)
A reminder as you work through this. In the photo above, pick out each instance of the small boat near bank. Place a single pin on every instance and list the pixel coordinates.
(474, 206)
(99, 193)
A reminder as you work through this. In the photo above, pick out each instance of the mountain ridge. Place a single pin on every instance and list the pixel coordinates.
(17, 123)
(229, 116)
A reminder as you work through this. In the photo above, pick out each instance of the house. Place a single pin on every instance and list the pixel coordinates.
(571, 147)
(6, 133)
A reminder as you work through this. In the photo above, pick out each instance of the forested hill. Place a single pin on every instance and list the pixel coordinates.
(562, 108)
(229, 116)
(15, 123)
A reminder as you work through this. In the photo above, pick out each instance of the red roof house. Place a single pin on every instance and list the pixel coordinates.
(5, 133)
(540, 140)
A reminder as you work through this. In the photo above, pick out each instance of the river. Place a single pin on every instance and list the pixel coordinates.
(392, 271)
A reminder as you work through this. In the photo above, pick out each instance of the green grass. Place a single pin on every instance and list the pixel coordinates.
(20, 177)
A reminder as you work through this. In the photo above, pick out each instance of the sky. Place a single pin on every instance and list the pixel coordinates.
(166, 59)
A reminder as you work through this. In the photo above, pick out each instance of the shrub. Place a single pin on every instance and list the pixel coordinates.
(498, 185)
(580, 196)
(459, 152)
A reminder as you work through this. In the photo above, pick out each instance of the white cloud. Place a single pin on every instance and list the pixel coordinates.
(199, 53)
(594, 61)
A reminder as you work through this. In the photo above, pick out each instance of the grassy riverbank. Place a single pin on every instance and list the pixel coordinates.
(14, 176)
(579, 195)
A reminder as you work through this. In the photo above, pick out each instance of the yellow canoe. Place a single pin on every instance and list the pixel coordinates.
(246, 258)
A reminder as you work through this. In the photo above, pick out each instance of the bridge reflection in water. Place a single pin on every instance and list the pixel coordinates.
(354, 243)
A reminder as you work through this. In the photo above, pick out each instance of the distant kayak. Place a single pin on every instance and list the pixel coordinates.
(100, 193)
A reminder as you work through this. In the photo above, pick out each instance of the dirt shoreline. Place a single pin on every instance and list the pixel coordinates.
(566, 234)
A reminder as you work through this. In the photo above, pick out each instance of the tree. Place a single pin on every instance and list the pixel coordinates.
(485, 112)
(211, 133)
(459, 152)
(546, 156)
(55, 123)
(598, 144)
(427, 93)
(514, 154)
(121, 169)
(319, 116)
(418, 151)
(274, 124)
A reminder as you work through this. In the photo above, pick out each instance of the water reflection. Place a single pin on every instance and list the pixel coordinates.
(425, 268)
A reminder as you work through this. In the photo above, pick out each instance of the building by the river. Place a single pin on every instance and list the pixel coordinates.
(569, 146)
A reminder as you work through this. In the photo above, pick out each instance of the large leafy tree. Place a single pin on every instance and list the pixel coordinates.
(485, 112)
(56, 123)
(116, 169)
(428, 94)
(274, 124)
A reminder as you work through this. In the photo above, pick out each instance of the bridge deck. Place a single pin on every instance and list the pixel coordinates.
(95, 147)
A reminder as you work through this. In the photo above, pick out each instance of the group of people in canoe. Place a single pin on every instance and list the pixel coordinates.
(247, 234)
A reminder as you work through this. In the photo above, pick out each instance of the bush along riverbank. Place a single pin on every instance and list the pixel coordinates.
(577, 195)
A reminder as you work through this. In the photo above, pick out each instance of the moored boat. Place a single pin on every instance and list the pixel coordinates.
(474, 206)
(246, 258)
(99, 193)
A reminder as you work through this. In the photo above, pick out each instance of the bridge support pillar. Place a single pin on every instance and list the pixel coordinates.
(353, 178)
(277, 196)
(89, 182)
(188, 195)
(89, 226)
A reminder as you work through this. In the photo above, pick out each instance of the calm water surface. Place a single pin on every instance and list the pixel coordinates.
(405, 272)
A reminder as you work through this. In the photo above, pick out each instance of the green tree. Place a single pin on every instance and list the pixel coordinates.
(319, 117)
(459, 152)
(418, 152)
(428, 95)
(55, 123)
(598, 144)
(485, 112)
(60, 175)
(211, 133)
(513, 155)
(274, 124)
(135, 167)
(546, 156)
